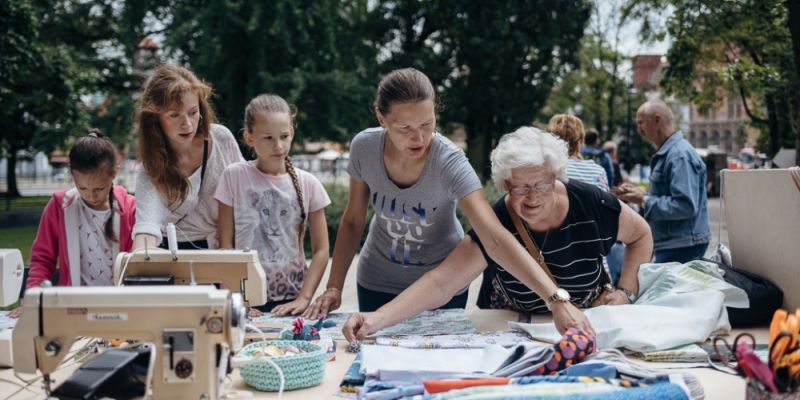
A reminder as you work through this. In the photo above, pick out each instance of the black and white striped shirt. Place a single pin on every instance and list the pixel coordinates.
(573, 252)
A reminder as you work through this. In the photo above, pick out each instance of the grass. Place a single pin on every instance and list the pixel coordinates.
(19, 238)
(23, 203)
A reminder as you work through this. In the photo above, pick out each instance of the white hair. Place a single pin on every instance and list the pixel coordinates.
(528, 147)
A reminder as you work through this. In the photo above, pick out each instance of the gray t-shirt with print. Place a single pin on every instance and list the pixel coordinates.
(413, 228)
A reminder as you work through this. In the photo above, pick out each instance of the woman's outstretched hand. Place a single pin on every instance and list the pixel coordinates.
(329, 300)
(360, 325)
(566, 315)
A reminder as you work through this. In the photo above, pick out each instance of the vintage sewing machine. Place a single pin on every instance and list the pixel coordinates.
(236, 270)
(11, 274)
(193, 330)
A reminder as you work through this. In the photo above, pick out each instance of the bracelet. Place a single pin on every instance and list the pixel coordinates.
(333, 288)
(629, 294)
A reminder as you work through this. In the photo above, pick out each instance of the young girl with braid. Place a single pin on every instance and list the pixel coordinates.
(84, 228)
(265, 205)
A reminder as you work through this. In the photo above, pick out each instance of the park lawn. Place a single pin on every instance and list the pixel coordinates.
(24, 203)
(18, 238)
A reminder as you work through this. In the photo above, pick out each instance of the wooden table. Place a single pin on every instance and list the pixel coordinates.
(717, 385)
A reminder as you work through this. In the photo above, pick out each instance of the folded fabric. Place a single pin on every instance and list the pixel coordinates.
(353, 378)
(526, 359)
(404, 363)
(690, 353)
(630, 369)
(387, 358)
(462, 341)
(598, 370)
(439, 386)
(549, 390)
(679, 304)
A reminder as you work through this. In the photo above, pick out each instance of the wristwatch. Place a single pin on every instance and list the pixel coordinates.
(561, 296)
(630, 295)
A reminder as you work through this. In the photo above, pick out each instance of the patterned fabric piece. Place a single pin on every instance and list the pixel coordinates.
(572, 349)
(97, 255)
(435, 322)
(466, 341)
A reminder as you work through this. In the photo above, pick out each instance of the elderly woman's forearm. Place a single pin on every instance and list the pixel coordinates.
(636, 253)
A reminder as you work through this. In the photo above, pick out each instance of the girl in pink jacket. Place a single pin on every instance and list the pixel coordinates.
(84, 228)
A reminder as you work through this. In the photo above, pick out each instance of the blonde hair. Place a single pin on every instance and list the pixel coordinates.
(569, 128)
(165, 89)
(270, 103)
(528, 147)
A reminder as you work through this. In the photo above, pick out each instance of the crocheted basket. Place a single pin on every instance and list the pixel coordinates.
(299, 370)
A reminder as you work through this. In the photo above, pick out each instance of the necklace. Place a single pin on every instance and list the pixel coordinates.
(540, 256)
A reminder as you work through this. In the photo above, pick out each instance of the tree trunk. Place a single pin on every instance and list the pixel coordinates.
(11, 166)
(773, 126)
(479, 144)
(794, 29)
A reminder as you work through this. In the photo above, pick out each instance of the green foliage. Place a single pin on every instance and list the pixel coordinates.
(494, 62)
(310, 52)
(732, 49)
(51, 58)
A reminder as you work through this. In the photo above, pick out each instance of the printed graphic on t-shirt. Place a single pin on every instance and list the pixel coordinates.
(275, 239)
(405, 224)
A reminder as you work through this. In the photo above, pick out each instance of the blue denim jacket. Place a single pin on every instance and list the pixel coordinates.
(677, 205)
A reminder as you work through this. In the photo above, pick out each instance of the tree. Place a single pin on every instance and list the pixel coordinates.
(732, 48)
(41, 80)
(313, 53)
(494, 61)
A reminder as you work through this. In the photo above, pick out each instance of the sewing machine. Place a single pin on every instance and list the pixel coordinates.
(235, 270)
(11, 273)
(193, 329)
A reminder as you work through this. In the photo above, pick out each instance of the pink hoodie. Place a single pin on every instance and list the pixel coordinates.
(54, 246)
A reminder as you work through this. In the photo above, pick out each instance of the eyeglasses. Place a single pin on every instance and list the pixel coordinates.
(539, 188)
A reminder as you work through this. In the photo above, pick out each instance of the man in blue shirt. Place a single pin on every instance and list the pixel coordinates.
(676, 205)
(592, 151)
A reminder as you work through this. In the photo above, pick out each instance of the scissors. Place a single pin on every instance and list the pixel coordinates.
(787, 372)
(727, 353)
(783, 333)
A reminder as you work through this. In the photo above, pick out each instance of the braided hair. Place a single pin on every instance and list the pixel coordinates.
(270, 103)
(95, 153)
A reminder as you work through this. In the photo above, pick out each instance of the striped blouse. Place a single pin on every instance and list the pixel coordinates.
(572, 252)
(587, 171)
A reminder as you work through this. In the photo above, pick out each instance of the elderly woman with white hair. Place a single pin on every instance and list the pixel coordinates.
(570, 224)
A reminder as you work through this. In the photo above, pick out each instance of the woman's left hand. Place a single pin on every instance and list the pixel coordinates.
(612, 298)
(293, 307)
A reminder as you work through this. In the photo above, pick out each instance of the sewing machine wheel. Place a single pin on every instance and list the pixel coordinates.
(238, 320)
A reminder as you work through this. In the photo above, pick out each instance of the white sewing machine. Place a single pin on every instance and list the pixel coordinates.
(11, 273)
(194, 329)
(236, 270)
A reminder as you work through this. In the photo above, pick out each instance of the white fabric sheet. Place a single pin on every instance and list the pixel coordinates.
(679, 304)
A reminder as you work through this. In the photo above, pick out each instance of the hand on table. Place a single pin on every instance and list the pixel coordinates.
(293, 307)
(566, 315)
(329, 300)
(360, 325)
(613, 298)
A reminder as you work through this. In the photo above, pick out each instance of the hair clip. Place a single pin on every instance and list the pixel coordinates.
(95, 133)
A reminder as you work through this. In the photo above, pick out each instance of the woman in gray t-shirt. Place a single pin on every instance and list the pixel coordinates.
(413, 177)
